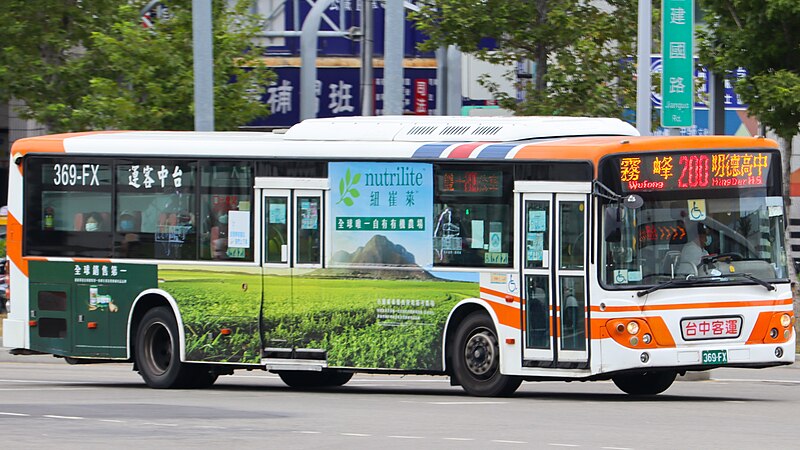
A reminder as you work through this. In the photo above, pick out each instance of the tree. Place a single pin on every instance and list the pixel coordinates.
(760, 36)
(583, 53)
(81, 65)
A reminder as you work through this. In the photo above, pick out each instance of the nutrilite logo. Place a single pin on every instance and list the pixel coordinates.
(401, 176)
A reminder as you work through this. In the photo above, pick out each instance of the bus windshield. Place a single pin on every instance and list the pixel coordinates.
(691, 236)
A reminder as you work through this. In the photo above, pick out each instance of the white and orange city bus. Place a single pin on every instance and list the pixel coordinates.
(490, 250)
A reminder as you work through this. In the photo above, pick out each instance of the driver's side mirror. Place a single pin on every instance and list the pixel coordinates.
(611, 224)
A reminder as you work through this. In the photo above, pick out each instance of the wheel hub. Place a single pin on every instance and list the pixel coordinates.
(480, 354)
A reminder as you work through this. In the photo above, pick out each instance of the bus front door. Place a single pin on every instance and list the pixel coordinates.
(555, 310)
(292, 233)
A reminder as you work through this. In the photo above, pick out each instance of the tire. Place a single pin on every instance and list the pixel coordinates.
(476, 359)
(157, 351)
(647, 383)
(314, 380)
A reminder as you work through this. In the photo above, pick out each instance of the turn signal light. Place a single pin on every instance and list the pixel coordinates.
(32, 323)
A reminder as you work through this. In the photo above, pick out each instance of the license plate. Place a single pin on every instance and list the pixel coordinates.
(714, 357)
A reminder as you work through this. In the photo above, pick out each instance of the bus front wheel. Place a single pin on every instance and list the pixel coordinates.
(647, 383)
(157, 350)
(476, 359)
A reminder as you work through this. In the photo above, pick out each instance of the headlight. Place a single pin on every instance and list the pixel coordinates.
(633, 327)
(786, 320)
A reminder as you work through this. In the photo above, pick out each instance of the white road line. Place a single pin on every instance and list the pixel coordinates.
(307, 432)
(45, 389)
(161, 424)
(112, 421)
(458, 439)
(355, 434)
(465, 403)
(756, 380)
(14, 414)
(63, 417)
(44, 382)
(564, 445)
(210, 427)
(503, 441)
(406, 437)
(616, 448)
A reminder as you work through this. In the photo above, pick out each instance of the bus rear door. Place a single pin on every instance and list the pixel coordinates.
(292, 247)
(554, 273)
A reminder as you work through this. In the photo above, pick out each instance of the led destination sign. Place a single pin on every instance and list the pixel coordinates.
(678, 171)
(472, 182)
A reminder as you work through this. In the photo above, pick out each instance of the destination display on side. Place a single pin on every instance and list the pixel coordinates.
(678, 171)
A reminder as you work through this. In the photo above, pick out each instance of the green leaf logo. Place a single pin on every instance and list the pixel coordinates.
(347, 191)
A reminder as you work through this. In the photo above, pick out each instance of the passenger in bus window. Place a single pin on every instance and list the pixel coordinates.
(694, 250)
(93, 222)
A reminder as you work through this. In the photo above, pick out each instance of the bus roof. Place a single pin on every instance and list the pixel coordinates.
(400, 137)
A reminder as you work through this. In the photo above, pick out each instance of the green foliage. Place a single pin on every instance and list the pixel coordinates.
(760, 36)
(583, 54)
(81, 65)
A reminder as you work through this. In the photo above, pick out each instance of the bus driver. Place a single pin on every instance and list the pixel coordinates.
(694, 250)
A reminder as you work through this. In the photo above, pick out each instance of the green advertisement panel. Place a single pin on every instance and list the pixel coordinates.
(82, 308)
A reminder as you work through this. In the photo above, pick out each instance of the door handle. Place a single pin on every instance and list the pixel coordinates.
(284, 253)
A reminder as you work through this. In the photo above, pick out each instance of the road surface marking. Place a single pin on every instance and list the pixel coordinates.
(406, 437)
(14, 414)
(458, 439)
(503, 441)
(564, 445)
(307, 432)
(355, 434)
(112, 421)
(63, 417)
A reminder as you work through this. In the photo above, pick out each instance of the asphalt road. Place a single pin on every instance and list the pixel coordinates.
(46, 403)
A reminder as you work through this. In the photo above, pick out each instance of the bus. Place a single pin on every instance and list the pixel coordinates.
(489, 250)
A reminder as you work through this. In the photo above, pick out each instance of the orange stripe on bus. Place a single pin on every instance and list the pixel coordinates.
(506, 315)
(53, 143)
(709, 305)
(14, 244)
(499, 294)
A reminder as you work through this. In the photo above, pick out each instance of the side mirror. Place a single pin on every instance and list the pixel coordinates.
(611, 223)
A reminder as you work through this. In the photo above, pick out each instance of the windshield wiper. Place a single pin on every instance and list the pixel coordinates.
(751, 277)
(673, 282)
(693, 280)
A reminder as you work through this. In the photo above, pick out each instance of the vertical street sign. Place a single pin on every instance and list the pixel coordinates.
(677, 82)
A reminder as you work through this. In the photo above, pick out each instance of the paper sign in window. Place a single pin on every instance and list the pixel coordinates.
(477, 234)
(238, 229)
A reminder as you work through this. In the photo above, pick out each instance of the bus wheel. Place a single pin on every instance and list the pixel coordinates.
(157, 352)
(477, 359)
(310, 380)
(647, 383)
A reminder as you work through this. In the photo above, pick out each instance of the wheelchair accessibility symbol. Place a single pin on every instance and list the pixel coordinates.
(697, 210)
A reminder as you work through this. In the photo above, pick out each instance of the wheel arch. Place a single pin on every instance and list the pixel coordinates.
(457, 315)
(145, 301)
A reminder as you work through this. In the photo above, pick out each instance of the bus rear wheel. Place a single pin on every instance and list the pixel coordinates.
(314, 380)
(647, 383)
(476, 359)
(157, 351)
